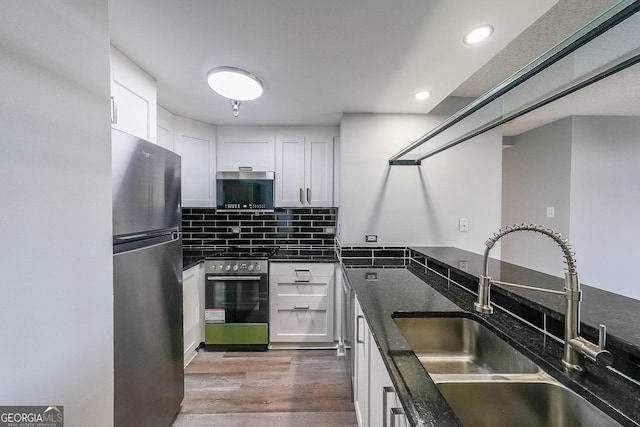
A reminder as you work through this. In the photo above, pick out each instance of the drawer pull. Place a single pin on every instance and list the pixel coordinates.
(385, 391)
(301, 307)
(394, 412)
(303, 276)
(358, 340)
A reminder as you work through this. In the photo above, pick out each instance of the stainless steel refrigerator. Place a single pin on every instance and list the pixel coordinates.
(147, 283)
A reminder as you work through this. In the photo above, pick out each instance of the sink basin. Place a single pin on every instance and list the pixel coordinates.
(457, 345)
(521, 404)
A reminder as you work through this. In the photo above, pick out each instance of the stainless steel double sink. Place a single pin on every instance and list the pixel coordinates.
(489, 383)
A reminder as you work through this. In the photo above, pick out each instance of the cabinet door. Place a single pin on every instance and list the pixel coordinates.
(290, 171)
(245, 147)
(191, 312)
(134, 97)
(195, 142)
(361, 367)
(319, 171)
(165, 129)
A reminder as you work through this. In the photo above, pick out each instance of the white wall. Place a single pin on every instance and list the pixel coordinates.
(56, 304)
(536, 173)
(588, 168)
(409, 205)
(605, 201)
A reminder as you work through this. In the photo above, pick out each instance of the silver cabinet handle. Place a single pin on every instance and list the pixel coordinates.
(394, 413)
(300, 307)
(309, 195)
(301, 197)
(358, 340)
(385, 391)
(114, 111)
(307, 279)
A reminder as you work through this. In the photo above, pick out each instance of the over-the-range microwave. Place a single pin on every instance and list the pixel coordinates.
(245, 191)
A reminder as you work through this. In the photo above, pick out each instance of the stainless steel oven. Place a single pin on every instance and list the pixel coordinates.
(236, 304)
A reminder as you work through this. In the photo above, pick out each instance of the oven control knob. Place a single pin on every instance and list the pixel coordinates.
(258, 267)
(220, 267)
(250, 268)
(227, 267)
(235, 267)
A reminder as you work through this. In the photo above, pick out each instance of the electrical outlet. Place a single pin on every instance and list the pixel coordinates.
(370, 277)
(371, 238)
(551, 212)
(463, 225)
(330, 231)
(235, 230)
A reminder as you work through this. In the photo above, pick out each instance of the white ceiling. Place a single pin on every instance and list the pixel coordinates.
(317, 58)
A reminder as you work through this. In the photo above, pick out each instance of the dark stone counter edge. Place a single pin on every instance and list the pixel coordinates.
(423, 403)
(189, 262)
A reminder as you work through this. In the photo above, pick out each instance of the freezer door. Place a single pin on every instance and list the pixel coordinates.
(146, 185)
(148, 337)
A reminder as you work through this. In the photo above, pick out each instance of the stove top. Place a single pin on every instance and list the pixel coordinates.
(239, 252)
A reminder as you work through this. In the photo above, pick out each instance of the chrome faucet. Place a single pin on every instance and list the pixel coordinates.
(575, 346)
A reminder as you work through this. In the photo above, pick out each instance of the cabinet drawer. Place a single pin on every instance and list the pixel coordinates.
(304, 322)
(301, 270)
(284, 287)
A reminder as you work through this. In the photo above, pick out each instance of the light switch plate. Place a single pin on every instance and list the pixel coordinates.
(551, 212)
(463, 225)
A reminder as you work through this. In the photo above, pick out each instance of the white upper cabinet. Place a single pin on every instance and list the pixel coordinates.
(290, 171)
(195, 142)
(304, 170)
(245, 147)
(165, 129)
(134, 98)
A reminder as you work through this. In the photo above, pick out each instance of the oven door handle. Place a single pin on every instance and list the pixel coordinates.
(234, 278)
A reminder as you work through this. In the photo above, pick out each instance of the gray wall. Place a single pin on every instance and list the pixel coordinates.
(536, 175)
(588, 168)
(55, 185)
(605, 201)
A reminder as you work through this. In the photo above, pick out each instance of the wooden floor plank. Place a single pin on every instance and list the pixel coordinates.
(274, 388)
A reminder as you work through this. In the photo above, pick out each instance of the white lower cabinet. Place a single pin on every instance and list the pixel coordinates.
(375, 399)
(361, 348)
(301, 305)
(192, 309)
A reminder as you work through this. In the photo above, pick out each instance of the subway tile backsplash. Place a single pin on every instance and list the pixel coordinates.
(285, 227)
(369, 256)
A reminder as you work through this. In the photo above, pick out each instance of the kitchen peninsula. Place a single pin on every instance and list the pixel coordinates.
(436, 283)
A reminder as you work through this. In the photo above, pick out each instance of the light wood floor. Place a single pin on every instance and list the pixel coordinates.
(275, 388)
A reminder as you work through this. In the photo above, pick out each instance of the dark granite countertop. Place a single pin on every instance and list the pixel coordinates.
(305, 254)
(400, 293)
(192, 256)
(620, 314)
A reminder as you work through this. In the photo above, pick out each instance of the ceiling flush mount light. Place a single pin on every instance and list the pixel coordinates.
(234, 83)
(478, 34)
(422, 95)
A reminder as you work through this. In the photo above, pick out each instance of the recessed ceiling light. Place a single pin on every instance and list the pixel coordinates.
(422, 95)
(478, 34)
(234, 83)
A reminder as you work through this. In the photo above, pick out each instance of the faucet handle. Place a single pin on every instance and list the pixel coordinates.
(602, 336)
